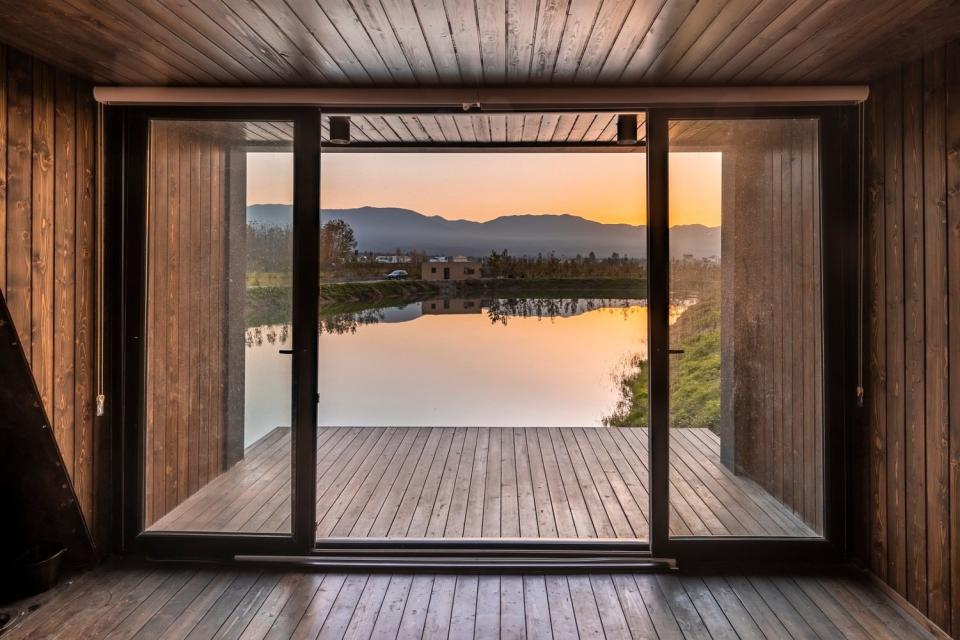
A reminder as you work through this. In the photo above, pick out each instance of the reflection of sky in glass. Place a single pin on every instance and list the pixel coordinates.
(457, 370)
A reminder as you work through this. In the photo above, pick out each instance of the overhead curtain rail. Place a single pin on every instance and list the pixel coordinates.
(488, 99)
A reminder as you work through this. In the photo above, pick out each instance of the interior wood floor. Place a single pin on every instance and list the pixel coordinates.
(124, 601)
(433, 482)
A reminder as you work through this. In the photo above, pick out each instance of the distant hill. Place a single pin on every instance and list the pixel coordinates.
(386, 229)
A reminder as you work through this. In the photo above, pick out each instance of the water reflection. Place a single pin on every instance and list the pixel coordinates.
(520, 362)
(497, 310)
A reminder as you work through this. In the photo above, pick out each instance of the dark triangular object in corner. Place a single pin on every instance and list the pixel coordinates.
(39, 506)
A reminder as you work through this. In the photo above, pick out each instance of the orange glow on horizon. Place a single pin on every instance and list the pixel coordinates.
(605, 187)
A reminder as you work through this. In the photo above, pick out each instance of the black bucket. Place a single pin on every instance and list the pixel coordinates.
(39, 569)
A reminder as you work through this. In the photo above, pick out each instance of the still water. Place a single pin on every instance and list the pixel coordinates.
(454, 362)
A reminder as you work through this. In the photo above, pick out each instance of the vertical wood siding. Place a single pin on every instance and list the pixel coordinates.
(47, 124)
(909, 478)
(771, 277)
(185, 392)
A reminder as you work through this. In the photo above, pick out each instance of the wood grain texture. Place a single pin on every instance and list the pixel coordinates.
(952, 90)
(484, 482)
(186, 350)
(472, 42)
(770, 379)
(914, 354)
(135, 601)
(47, 125)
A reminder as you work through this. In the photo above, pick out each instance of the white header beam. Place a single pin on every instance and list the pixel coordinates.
(489, 99)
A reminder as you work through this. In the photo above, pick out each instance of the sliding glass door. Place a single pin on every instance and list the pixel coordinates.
(739, 391)
(225, 224)
(671, 390)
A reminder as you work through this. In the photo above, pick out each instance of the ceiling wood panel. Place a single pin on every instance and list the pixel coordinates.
(472, 128)
(475, 42)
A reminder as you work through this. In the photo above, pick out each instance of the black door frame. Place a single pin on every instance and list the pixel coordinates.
(838, 199)
(838, 231)
(131, 152)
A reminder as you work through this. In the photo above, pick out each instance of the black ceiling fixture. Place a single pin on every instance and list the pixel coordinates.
(627, 128)
(340, 129)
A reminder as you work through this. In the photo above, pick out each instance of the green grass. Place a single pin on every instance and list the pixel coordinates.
(694, 375)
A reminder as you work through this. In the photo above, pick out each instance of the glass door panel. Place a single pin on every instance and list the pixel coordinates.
(217, 395)
(745, 388)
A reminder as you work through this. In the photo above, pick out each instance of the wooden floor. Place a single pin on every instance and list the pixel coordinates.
(486, 482)
(181, 602)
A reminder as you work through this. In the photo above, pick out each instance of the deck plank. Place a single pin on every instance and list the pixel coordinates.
(250, 603)
(433, 482)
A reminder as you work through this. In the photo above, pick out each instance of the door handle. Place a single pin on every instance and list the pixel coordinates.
(286, 352)
(675, 351)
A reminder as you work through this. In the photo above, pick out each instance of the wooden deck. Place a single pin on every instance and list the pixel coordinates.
(486, 482)
(124, 601)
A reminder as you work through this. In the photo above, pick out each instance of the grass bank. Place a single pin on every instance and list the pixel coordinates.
(694, 375)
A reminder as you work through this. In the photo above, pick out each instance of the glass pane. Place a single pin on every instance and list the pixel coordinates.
(219, 292)
(745, 398)
(481, 317)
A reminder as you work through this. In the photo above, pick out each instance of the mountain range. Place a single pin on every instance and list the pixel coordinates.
(386, 229)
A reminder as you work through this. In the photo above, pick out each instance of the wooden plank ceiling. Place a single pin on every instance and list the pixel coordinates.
(473, 42)
(551, 129)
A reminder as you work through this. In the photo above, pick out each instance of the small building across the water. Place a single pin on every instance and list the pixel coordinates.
(457, 270)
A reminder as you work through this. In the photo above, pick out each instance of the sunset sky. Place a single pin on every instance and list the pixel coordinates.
(606, 187)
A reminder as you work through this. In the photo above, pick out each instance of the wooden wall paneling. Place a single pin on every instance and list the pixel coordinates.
(952, 137)
(93, 463)
(912, 414)
(192, 360)
(875, 348)
(172, 339)
(47, 126)
(937, 587)
(914, 360)
(775, 240)
(787, 327)
(817, 485)
(806, 480)
(217, 319)
(19, 192)
(42, 241)
(64, 318)
(799, 330)
(184, 295)
(186, 347)
(896, 323)
(3, 167)
(206, 310)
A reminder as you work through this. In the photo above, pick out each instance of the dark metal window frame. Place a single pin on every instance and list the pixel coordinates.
(127, 157)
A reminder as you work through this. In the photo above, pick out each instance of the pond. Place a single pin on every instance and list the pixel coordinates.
(518, 362)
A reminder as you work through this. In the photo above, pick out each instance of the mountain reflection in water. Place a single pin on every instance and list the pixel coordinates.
(515, 362)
